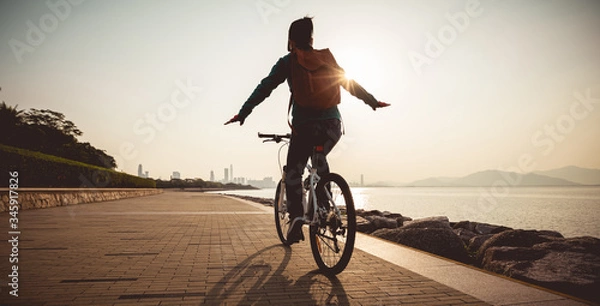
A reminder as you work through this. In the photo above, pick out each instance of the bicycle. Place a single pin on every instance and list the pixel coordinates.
(328, 210)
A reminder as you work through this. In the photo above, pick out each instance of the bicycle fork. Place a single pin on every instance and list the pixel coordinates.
(309, 205)
(282, 192)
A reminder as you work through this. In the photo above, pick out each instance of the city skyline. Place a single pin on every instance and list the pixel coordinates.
(266, 182)
(473, 85)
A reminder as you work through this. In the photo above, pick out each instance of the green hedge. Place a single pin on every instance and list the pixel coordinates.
(41, 170)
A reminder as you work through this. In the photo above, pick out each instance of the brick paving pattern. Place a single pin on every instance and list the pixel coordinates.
(185, 248)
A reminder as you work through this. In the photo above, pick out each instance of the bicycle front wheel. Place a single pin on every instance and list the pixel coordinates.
(332, 240)
(282, 217)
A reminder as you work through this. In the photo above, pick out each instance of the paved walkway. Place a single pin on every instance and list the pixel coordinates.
(190, 249)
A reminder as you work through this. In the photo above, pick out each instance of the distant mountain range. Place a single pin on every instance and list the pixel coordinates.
(575, 174)
(566, 176)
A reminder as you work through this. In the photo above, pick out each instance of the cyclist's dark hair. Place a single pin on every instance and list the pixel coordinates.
(300, 33)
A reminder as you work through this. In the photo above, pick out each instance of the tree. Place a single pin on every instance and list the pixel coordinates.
(46, 131)
(52, 120)
(49, 132)
(10, 120)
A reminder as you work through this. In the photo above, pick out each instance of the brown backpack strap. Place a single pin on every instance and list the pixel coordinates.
(292, 55)
(288, 115)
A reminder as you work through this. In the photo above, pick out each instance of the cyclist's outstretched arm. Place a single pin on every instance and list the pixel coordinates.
(358, 91)
(277, 75)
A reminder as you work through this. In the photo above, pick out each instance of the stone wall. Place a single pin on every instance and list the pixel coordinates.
(33, 198)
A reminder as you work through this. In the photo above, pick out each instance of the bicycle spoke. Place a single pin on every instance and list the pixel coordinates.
(335, 247)
(333, 250)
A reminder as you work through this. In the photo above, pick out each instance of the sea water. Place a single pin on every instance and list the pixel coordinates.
(572, 211)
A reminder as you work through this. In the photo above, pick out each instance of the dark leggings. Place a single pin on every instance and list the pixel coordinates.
(324, 133)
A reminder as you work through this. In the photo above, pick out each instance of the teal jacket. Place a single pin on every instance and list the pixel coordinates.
(300, 115)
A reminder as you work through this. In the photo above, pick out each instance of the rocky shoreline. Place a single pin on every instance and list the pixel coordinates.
(540, 257)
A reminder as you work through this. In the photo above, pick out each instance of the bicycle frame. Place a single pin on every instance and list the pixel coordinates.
(311, 200)
(312, 195)
(313, 178)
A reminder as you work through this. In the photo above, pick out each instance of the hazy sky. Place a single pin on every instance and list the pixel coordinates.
(474, 85)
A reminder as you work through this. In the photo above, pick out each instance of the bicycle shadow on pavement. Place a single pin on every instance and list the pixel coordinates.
(262, 279)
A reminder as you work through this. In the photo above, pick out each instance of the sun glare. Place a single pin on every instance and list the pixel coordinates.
(358, 65)
(352, 69)
(349, 72)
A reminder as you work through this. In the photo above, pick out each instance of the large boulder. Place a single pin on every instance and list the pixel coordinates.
(363, 225)
(481, 228)
(384, 219)
(439, 241)
(369, 221)
(485, 228)
(400, 219)
(379, 222)
(517, 238)
(566, 265)
(386, 233)
(476, 242)
(504, 259)
(468, 225)
(465, 235)
(390, 215)
(431, 222)
(367, 213)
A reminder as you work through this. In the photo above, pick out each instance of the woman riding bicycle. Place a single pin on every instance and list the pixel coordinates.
(310, 127)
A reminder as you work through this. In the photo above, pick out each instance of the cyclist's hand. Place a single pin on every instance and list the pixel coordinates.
(235, 118)
(382, 104)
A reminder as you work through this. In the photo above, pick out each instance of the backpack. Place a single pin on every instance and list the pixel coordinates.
(316, 79)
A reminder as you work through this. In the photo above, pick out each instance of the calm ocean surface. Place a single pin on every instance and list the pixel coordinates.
(572, 211)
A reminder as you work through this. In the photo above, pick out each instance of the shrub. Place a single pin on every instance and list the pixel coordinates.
(42, 170)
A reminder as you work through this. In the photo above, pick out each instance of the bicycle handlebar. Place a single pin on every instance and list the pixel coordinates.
(274, 137)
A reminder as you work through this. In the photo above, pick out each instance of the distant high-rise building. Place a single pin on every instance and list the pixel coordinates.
(146, 174)
(141, 172)
(212, 176)
(225, 175)
(362, 180)
(267, 182)
(176, 175)
(231, 171)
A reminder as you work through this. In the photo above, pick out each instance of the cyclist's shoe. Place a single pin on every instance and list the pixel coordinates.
(295, 234)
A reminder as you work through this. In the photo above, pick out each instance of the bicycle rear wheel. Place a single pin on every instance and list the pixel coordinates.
(332, 241)
(282, 217)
